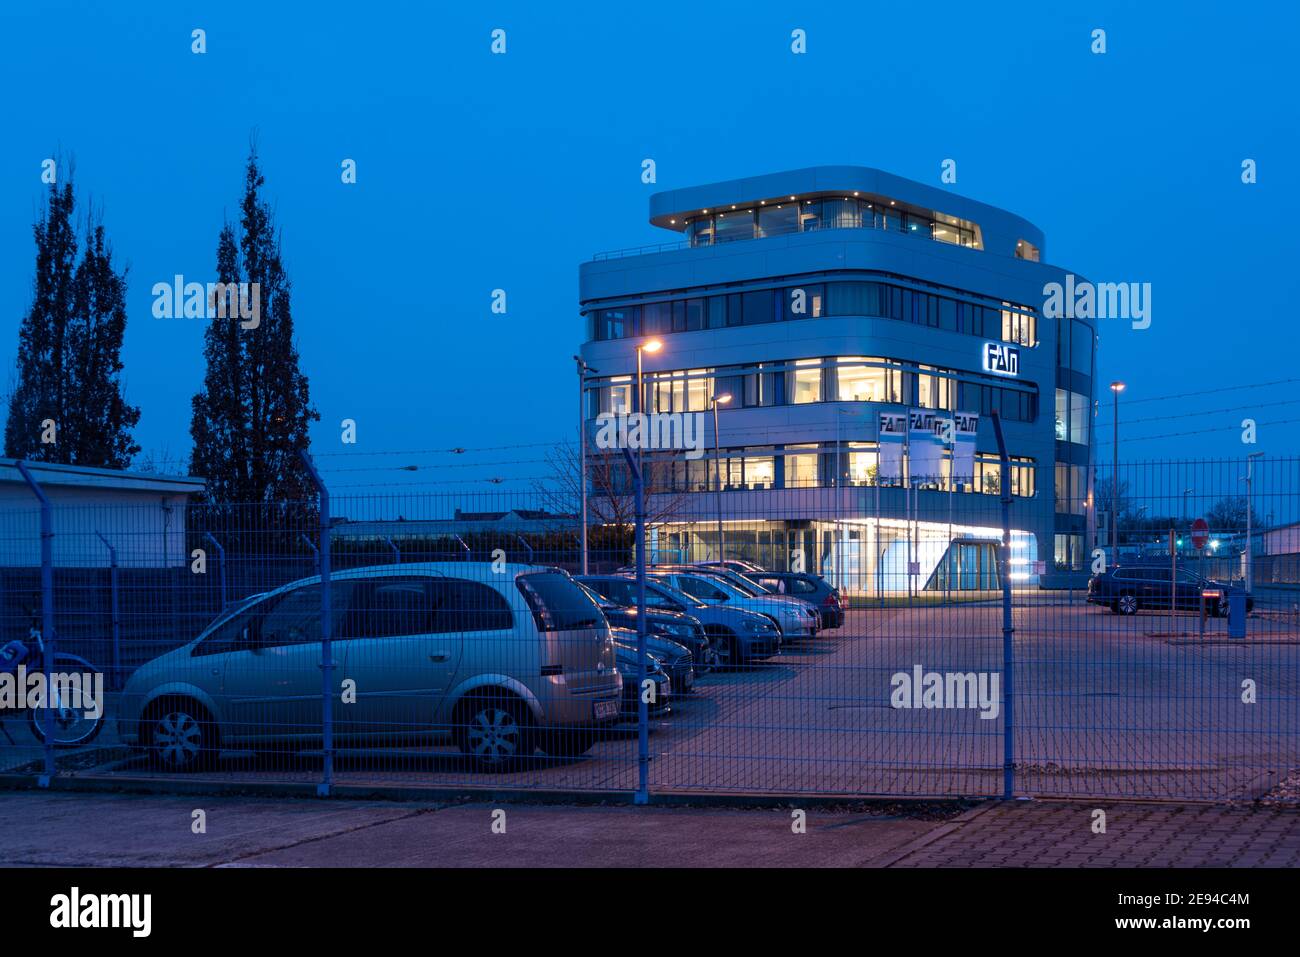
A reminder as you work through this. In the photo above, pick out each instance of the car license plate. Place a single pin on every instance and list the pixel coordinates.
(606, 709)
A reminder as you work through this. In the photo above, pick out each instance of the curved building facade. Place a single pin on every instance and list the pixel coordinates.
(855, 332)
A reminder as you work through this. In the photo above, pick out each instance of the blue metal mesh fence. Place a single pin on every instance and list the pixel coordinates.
(852, 644)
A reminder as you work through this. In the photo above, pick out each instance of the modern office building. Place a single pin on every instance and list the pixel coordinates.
(864, 327)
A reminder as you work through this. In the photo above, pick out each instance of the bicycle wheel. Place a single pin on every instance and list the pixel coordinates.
(70, 726)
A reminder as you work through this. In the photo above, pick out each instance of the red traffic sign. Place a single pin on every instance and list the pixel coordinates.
(1200, 533)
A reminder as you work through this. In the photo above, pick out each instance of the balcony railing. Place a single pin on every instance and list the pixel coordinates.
(837, 223)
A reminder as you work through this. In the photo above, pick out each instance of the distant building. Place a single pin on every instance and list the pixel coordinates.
(854, 331)
(519, 521)
(140, 514)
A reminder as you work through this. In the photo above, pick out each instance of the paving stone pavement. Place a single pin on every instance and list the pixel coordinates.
(1061, 834)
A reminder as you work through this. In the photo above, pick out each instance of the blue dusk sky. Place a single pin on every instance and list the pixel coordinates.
(479, 171)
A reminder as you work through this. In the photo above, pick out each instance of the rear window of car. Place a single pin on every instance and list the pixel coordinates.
(557, 603)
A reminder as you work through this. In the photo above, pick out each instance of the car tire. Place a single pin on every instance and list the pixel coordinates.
(180, 736)
(495, 732)
(1126, 604)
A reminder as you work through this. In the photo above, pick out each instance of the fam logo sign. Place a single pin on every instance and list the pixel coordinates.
(1001, 359)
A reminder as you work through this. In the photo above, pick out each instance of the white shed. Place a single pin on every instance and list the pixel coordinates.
(141, 515)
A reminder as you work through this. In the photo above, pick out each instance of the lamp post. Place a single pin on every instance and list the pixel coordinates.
(583, 370)
(1186, 492)
(1116, 387)
(714, 402)
(651, 346)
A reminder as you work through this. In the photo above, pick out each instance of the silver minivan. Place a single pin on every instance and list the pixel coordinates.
(501, 659)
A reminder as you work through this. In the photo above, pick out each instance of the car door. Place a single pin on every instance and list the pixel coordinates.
(403, 647)
(272, 682)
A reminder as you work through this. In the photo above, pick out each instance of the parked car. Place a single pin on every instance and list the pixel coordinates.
(1128, 589)
(736, 637)
(735, 564)
(676, 627)
(794, 619)
(811, 588)
(740, 581)
(626, 657)
(501, 661)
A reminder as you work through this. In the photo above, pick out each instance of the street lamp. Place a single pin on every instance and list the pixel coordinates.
(583, 370)
(651, 346)
(1186, 492)
(1117, 387)
(714, 402)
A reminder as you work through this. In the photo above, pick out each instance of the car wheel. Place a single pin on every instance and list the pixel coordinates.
(708, 657)
(181, 737)
(1221, 608)
(495, 733)
(1126, 605)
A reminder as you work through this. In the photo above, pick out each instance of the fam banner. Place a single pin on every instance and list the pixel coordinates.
(966, 426)
(925, 444)
(893, 433)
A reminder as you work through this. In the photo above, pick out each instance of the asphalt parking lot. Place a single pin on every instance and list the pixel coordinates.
(1105, 707)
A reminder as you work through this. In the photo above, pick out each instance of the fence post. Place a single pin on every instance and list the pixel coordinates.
(315, 552)
(47, 613)
(113, 610)
(1008, 647)
(221, 563)
(326, 640)
(642, 795)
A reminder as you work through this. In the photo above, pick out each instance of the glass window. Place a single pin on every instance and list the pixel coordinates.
(858, 382)
(695, 318)
(760, 472)
(800, 466)
(620, 395)
(1062, 415)
(557, 603)
(810, 214)
(804, 302)
(806, 382)
(1078, 418)
(854, 299)
(759, 307)
(1080, 348)
(933, 391)
(863, 461)
(294, 619)
(734, 224)
(656, 318)
(462, 605)
(700, 231)
(717, 312)
(778, 220)
(840, 214)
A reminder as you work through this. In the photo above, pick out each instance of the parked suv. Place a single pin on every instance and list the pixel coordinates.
(736, 637)
(501, 661)
(810, 588)
(1128, 589)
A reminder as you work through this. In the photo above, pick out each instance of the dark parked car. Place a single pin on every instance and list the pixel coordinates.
(665, 623)
(1128, 589)
(737, 637)
(812, 588)
(625, 661)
